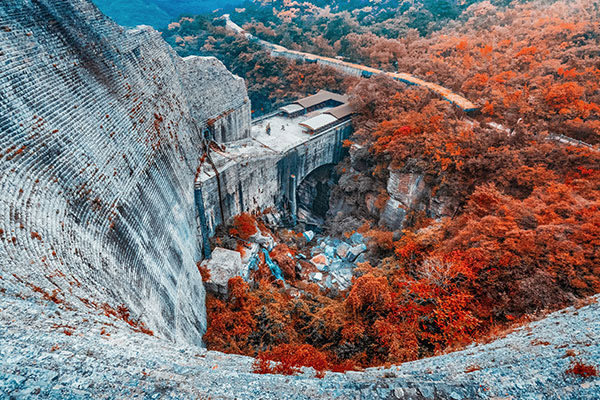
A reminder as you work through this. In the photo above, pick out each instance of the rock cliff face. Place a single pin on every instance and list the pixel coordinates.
(393, 198)
(410, 193)
(100, 133)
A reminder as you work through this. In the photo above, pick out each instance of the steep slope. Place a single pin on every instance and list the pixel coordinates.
(52, 352)
(100, 134)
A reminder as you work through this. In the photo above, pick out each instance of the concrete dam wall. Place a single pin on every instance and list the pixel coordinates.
(264, 171)
(100, 139)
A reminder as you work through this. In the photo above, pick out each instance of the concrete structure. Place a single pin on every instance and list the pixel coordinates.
(266, 169)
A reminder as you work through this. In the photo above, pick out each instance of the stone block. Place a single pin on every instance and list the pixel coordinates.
(309, 235)
(316, 276)
(342, 278)
(320, 261)
(223, 265)
(356, 238)
(342, 250)
(265, 241)
(356, 251)
(406, 188)
(393, 215)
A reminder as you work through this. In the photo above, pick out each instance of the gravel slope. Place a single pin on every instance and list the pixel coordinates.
(105, 358)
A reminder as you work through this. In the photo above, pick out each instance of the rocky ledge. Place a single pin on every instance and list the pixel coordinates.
(51, 351)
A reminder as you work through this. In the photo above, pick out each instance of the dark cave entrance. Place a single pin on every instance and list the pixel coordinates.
(312, 195)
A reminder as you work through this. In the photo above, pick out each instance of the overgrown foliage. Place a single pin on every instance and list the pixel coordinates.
(508, 225)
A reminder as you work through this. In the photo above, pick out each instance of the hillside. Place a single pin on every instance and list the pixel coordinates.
(104, 358)
(421, 220)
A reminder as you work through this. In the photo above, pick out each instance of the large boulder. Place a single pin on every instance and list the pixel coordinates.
(223, 265)
(265, 240)
(356, 251)
(320, 261)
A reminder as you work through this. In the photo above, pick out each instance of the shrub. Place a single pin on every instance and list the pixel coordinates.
(289, 358)
(581, 369)
(244, 226)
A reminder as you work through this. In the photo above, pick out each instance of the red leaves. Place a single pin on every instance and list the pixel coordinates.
(403, 130)
(238, 291)
(381, 239)
(287, 359)
(204, 272)
(369, 294)
(561, 96)
(472, 368)
(462, 45)
(582, 370)
(122, 312)
(527, 51)
(567, 73)
(282, 255)
(35, 235)
(244, 226)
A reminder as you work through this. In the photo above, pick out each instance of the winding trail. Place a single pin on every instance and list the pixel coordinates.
(354, 69)
(365, 71)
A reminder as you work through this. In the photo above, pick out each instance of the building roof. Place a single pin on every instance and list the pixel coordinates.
(291, 108)
(342, 111)
(321, 97)
(318, 122)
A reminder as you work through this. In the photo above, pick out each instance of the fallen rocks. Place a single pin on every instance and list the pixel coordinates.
(263, 240)
(356, 251)
(342, 250)
(320, 261)
(223, 265)
(335, 260)
(308, 235)
(316, 276)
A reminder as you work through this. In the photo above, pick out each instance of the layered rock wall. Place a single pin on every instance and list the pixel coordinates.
(100, 138)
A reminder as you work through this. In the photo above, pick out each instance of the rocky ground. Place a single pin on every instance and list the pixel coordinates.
(50, 351)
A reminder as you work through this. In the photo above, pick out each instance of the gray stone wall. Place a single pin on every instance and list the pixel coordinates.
(99, 144)
(257, 177)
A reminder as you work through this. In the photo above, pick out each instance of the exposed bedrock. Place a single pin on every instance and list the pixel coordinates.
(408, 192)
(100, 133)
(392, 199)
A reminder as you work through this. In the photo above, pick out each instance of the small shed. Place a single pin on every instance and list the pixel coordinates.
(323, 98)
(293, 110)
(319, 123)
(342, 112)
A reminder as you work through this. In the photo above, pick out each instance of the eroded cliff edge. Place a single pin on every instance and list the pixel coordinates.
(100, 138)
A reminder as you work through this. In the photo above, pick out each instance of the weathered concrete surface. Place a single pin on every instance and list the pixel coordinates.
(104, 358)
(264, 171)
(100, 133)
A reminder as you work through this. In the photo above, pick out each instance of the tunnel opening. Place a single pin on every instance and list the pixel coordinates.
(313, 193)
